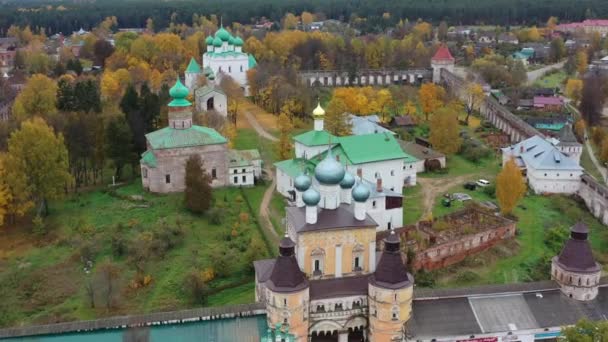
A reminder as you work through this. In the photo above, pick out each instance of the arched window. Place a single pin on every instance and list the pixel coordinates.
(377, 175)
(358, 252)
(241, 68)
(317, 256)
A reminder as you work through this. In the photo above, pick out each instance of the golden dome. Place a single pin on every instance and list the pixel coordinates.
(319, 111)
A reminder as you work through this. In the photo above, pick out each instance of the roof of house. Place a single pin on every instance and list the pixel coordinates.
(341, 218)
(547, 101)
(540, 154)
(419, 151)
(443, 53)
(576, 256)
(286, 275)
(437, 317)
(566, 136)
(366, 125)
(338, 287)
(207, 89)
(169, 137)
(316, 138)
(403, 120)
(149, 158)
(294, 167)
(373, 147)
(237, 158)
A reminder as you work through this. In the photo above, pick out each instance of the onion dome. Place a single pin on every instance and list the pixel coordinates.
(302, 182)
(238, 41)
(286, 275)
(576, 256)
(311, 197)
(223, 34)
(217, 42)
(391, 272)
(348, 181)
(361, 192)
(329, 171)
(319, 111)
(179, 92)
(209, 40)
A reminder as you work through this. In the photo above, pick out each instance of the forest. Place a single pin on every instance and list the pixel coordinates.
(67, 16)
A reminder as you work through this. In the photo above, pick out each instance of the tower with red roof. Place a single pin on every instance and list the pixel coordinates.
(442, 59)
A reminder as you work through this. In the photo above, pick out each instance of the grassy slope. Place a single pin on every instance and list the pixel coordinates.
(91, 219)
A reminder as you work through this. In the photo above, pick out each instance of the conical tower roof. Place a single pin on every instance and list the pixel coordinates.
(576, 256)
(193, 67)
(286, 275)
(391, 273)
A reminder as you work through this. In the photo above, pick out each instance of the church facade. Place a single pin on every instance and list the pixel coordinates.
(163, 164)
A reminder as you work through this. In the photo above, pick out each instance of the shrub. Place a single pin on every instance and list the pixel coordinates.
(467, 276)
(119, 245)
(195, 286)
(474, 151)
(425, 279)
(215, 216)
(490, 190)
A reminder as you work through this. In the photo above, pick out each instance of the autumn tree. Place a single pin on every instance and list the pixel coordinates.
(431, 98)
(38, 98)
(5, 195)
(510, 187)
(475, 97)
(107, 285)
(285, 128)
(290, 21)
(557, 50)
(444, 135)
(36, 165)
(336, 118)
(581, 62)
(574, 89)
(592, 99)
(306, 18)
(235, 95)
(198, 194)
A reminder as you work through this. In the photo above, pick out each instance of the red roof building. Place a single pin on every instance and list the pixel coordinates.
(443, 54)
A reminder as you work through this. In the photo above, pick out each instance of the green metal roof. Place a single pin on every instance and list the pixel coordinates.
(316, 138)
(169, 137)
(240, 158)
(149, 158)
(193, 67)
(373, 147)
(228, 54)
(179, 92)
(208, 71)
(202, 91)
(252, 61)
(295, 167)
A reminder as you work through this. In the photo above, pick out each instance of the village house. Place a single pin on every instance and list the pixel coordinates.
(548, 103)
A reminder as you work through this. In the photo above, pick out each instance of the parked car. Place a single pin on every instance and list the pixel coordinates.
(470, 185)
(461, 197)
(483, 183)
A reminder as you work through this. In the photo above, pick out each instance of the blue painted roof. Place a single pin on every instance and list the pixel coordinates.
(362, 125)
(540, 154)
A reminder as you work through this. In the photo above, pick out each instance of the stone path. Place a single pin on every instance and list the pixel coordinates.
(264, 213)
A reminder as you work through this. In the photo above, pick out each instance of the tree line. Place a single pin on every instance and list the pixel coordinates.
(67, 17)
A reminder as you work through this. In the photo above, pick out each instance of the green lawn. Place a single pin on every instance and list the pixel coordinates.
(412, 204)
(102, 227)
(512, 262)
(248, 139)
(553, 80)
(589, 167)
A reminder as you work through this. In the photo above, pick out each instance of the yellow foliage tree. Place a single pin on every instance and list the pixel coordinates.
(475, 97)
(410, 108)
(510, 187)
(581, 62)
(230, 133)
(431, 98)
(534, 34)
(336, 118)
(384, 100)
(5, 195)
(551, 23)
(574, 89)
(290, 21)
(579, 128)
(285, 127)
(604, 150)
(306, 18)
(444, 135)
(38, 98)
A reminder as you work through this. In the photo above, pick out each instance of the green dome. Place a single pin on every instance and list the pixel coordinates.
(209, 40)
(179, 92)
(223, 34)
(329, 171)
(217, 42)
(361, 192)
(302, 182)
(238, 41)
(311, 197)
(348, 181)
(231, 41)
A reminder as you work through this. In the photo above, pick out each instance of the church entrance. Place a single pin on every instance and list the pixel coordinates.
(324, 336)
(210, 104)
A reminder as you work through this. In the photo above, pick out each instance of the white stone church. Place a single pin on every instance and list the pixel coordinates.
(377, 159)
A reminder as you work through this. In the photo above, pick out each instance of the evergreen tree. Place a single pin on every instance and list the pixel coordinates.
(592, 100)
(130, 107)
(198, 194)
(119, 145)
(66, 101)
(75, 66)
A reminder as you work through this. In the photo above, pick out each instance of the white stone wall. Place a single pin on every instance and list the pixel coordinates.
(437, 66)
(284, 183)
(241, 176)
(393, 173)
(560, 182)
(307, 152)
(220, 103)
(191, 81)
(574, 152)
(233, 66)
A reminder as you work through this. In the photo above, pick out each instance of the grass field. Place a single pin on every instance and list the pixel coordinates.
(42, 279)
(552, 80)
(412, 204)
